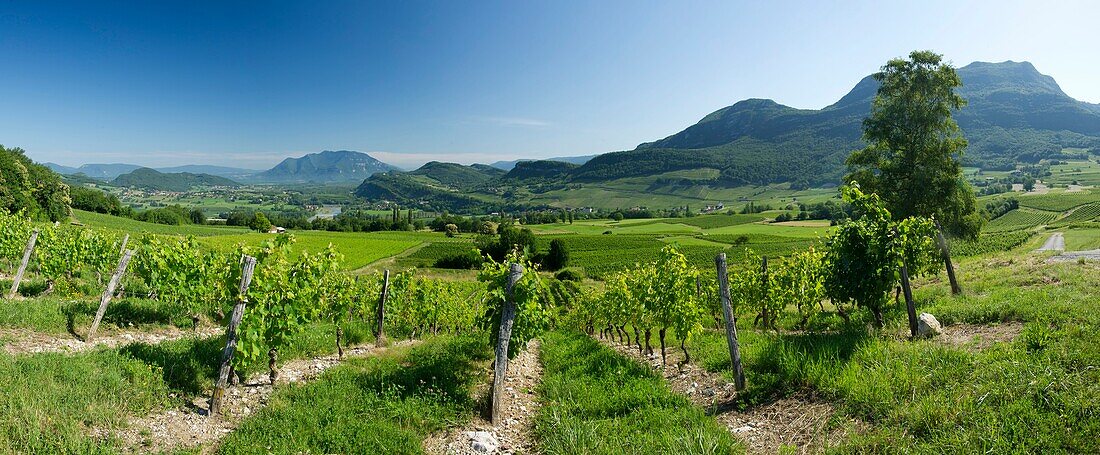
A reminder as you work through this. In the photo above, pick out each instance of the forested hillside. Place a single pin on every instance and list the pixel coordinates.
(149, 179)
(30, 187)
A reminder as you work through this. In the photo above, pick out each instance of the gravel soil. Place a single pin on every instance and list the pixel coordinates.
(23, 341)
(515, 435)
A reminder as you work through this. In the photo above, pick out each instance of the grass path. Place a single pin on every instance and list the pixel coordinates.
(189, 427)
(598, 401)
(24, 342)
(802, 422)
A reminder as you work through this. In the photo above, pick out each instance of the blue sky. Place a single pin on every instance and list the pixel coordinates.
(247, 84)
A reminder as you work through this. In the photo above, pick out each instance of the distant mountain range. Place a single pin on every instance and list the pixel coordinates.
(324, 167)
(1014, 115)
(108, 172)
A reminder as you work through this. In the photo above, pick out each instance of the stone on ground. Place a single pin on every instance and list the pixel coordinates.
(928, 326)
(482, 441)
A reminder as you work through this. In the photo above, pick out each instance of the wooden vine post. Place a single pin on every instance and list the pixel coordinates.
(125, 240)
(910, 306)
(507, 318)
(380, 314)
(731, 322)
(764, 286)
(23, 265)
(108, 293)
(946, 253)
(248, 265)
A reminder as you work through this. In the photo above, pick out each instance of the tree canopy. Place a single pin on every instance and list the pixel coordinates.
(30, 187)
(915, 146)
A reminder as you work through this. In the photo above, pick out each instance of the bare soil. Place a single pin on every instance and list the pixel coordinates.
(980, 336)
(24, 341)
(516, 432)
(187, 427)
(803, 422)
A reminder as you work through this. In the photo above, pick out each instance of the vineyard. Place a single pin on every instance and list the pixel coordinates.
(411, 351)
(1058, 202)
(1083, 214)
(1019, 219)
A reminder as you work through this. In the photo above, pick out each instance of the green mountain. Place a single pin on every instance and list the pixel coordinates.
(153, 180)
(435, 185)
(543, 169)
(96, 171)
(1015, 115)
(325, 167)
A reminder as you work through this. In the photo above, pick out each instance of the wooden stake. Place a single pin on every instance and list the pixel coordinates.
(507, 317)
(910, 306)
(731, 322)
(380, 316)
(108, 293)
(125, 240)
(23, 265)
(946, 253)
(248, 265)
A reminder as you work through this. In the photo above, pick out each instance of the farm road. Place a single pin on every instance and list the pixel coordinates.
(1056, 242)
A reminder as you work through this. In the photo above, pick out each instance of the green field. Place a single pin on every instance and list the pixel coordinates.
(359, 249)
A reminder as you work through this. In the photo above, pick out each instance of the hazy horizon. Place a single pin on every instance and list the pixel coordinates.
(234, 85)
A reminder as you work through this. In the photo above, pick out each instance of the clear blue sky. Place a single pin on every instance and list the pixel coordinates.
(247, 84)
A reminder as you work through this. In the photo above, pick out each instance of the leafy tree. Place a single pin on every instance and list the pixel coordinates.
(451, 230)
(259, 223)
(915, 146)
(558, 256)
(197, 216)
(32, 188)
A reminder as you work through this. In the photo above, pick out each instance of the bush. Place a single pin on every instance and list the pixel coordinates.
(468, 260)
(569, 275)
(558, 256)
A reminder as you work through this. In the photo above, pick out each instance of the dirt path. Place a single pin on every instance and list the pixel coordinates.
(516, 434)
(1056, 242)
(25, 341)
(178, 429)
(803, 421)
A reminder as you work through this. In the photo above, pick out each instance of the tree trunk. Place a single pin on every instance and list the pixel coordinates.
(648, 346)
(664, 357)
(637, 339)
(687, 357)
(273, 372)
(340, 341)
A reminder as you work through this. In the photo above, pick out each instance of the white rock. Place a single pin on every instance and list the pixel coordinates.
(482, 441)
(928, 326)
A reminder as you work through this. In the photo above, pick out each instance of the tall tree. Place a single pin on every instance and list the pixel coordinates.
(912, 160)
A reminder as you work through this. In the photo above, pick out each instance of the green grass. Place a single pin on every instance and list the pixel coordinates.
(595, 401)
(1082, 239)
(57, 316)
(1037, 394)
(387, 404)
(48, 401)
(120, 224)
(359, 249)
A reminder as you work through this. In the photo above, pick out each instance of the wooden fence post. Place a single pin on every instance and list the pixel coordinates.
(507, 318)
(731, 322)
(380, 315)
(248, 265)
(910, 306)
(23, 265)
(108, 293)
(125, 240)
(764, 285)
(946, 253)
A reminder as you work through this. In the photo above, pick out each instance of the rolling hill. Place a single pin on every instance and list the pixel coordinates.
(153, 180)
(325, 167)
